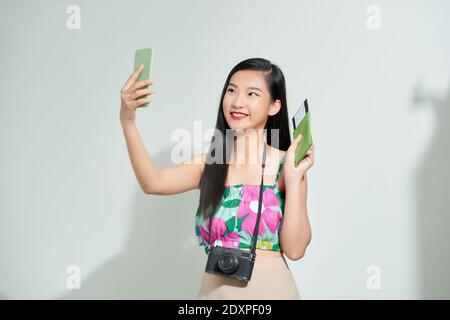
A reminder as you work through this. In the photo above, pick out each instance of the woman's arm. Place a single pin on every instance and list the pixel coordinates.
(152, 180)
(295, 233)
(165, 181)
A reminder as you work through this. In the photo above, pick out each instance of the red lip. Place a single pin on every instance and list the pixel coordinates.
(238, 115)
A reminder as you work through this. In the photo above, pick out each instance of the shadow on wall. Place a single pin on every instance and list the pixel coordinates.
(432, 196)
(161, 259)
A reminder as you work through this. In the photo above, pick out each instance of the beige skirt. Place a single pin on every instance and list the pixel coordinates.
(271, 279)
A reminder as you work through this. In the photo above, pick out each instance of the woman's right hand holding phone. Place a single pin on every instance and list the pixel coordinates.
(165, 181)
(131, 96)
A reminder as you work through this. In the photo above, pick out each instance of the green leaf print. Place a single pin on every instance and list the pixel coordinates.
(245, 245)
(231, 203)
(226, 193)
(276, 247)
(231, 224)
(239, 224)
(246, 239)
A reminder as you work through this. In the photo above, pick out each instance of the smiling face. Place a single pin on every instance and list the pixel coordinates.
(247, 102)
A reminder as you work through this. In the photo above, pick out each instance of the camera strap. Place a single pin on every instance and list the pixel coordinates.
(255, 233)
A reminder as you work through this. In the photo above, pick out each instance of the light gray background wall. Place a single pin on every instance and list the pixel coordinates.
(378, 191)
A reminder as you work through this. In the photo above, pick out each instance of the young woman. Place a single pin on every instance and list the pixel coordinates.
(253, 108)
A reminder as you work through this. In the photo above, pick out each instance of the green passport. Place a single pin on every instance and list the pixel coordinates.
(301, 125)
(144, 56)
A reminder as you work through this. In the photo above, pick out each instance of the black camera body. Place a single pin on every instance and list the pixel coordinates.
(231, 262)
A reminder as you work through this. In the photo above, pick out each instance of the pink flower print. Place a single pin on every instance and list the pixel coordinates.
(231, 240)
(218, 228)
(249, 205)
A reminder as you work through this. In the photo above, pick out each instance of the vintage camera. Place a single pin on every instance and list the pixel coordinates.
(231, 262)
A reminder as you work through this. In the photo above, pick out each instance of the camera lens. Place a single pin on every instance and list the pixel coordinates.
(228, 263)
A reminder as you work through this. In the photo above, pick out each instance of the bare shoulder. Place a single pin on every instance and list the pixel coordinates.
(276, 154)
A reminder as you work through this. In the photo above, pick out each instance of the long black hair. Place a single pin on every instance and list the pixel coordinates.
(212, 183)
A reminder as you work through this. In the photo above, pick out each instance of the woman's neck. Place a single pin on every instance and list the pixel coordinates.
(247, 148)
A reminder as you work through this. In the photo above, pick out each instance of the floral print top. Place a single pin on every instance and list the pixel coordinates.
(235, 220)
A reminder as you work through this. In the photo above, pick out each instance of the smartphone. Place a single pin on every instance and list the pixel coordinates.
(301, 125)
(144, 56)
